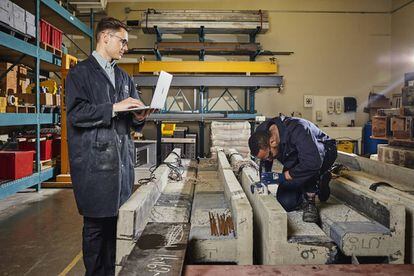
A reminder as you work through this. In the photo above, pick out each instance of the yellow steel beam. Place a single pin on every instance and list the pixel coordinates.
(130, 68)
(213, 67)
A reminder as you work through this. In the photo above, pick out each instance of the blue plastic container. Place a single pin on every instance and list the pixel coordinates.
(369, 144)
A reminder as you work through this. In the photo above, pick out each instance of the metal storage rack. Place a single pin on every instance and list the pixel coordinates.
(17, 51)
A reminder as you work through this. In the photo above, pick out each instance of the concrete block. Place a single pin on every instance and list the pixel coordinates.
(401, 176)
(379, 208)
(279, 237)
(404, 198)
(354, 233)
(240, 209)
(213, 250)
(160, 250)
(123, 249)
(209, 197)
(134, 212)
(163, 201)
(223, 163)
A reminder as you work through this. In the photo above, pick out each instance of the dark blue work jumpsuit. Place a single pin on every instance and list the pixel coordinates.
(306, 152)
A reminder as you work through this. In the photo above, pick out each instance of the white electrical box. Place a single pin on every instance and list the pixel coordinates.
(338, 106)
(319, 116)
(330, 105)
(307, 101)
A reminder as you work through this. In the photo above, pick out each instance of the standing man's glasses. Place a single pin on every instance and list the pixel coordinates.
(122, 40)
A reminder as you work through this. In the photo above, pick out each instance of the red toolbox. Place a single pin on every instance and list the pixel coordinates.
(16, 164)
(45, 147)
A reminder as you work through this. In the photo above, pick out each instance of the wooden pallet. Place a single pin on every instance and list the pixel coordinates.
(13, 32)
(46, 164)
(50, 48)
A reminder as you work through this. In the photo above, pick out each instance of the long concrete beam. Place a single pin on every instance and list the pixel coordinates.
(162, 200)
(369, 238)
(370, 181)
(241, 210)
(209, 198)
(400, 177)
(133, 213)
(281, 237)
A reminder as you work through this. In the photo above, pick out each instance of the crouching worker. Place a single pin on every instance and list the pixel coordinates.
(306, 153)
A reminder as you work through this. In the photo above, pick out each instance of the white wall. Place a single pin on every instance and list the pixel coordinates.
(402, 43)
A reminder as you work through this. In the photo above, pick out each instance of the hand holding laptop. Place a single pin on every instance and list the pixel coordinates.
(126, 104)
(158, 99)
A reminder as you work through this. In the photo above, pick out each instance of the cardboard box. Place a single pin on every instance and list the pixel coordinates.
(30, 98)
(22, 85)
(56, 99)
(6, 5)
(30, 30)
(3, 104)
(8, 84)
(26, 98)
(19, 18)
(30, 18)
(46, 99)
(380, 126)
(5, 16)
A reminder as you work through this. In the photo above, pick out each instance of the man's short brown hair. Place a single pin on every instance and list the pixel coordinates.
(109, 23)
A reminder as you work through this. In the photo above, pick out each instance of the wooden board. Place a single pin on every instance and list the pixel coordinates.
(306, 270)
(179, 140)
(206, 15)
(159, 251)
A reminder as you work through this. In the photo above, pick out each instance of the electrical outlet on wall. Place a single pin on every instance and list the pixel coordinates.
(338, 106)
(307, 101)
(318, 116)
(330, 105)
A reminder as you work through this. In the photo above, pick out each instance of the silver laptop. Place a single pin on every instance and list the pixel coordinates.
(160, 94)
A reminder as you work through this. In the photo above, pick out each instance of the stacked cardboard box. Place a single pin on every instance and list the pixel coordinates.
(19, 18)
(8, 84)
(30, 24)
(6, 12)
(3, 104)
(22, 79)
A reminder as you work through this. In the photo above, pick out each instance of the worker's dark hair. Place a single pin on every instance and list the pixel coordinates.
(109, 23)
(259, 140)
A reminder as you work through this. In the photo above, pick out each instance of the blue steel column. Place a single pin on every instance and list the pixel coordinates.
(159, 134)
(37, 71)
(201, 122)
(252, 92)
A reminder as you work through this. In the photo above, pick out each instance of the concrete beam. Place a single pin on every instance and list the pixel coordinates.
(218, 191)
(241, 210)
(401, 176)
(383, 210)
(281, 237)
(162, 200)
(204, 247)
(404, 198)
(354, 233)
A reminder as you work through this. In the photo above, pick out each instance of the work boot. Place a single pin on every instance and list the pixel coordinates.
(310, 212)
(323, 185)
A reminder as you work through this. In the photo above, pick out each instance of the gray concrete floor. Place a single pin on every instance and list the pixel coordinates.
(40, 234)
